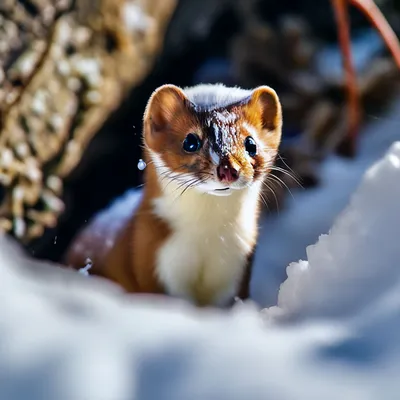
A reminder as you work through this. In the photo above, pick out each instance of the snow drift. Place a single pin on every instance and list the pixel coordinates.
(64, 336)
(360, 258)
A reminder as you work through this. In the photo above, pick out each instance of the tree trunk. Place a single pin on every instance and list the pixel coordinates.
(64, 67)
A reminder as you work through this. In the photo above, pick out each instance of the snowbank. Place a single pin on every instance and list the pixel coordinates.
(64, 336)
(360, 258)
(286, 235)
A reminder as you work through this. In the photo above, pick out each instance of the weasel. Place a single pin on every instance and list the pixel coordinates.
(193, 229)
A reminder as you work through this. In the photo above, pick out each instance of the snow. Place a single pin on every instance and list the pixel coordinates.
(285, 236)
(141, 165)
(107, 223)
(358, 261)
(333, 334)
(88, 265)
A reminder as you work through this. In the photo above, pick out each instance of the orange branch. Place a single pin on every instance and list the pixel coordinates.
(374, 14)
(340, 8)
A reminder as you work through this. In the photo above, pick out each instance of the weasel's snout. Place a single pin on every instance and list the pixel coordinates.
(226, 172)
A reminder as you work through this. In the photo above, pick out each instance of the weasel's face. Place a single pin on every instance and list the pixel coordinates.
(214, 150)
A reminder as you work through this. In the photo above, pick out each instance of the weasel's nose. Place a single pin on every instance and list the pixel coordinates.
(228, 173)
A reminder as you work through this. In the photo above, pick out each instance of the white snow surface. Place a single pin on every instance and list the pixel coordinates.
(64, 336)
(285, 236)
(359, 260)
(107, 223)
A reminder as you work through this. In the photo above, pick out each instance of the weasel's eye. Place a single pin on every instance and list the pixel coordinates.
(191, 143)
(251, 146)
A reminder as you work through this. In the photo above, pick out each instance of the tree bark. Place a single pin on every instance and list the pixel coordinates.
(64, 67)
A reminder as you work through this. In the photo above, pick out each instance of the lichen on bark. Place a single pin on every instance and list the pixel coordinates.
(64, 67)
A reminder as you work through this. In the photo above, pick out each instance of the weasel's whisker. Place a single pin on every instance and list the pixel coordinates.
(190, 185)
(282, 183)
(185, 185)
(286, 164)
(290, 171)
(287, 173)
(264, 200)
(273, 193)
(193, 184)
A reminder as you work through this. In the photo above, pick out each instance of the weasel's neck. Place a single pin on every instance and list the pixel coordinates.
(179, 208)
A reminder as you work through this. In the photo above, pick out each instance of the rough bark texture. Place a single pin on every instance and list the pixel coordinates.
(64, 67)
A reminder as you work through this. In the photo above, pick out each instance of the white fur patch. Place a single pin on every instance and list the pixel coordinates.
(250, 129)
(205, 256)
(214, 157)
(216, 95)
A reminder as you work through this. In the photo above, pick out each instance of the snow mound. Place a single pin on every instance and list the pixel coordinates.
(63, 336)
(360, 258)
(105, 226)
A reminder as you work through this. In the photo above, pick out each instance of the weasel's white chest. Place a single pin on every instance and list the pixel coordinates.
(205, 257)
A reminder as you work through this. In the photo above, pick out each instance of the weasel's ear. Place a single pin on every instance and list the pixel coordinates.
(166, 105)
(264, 109)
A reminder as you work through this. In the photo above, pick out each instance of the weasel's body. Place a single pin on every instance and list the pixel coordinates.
(193, 230)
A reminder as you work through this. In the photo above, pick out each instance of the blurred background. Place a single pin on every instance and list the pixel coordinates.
(75, 76)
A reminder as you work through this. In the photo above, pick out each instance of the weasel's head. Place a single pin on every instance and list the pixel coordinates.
(213, 138)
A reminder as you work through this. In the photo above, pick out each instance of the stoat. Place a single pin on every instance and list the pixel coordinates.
(193, 229)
